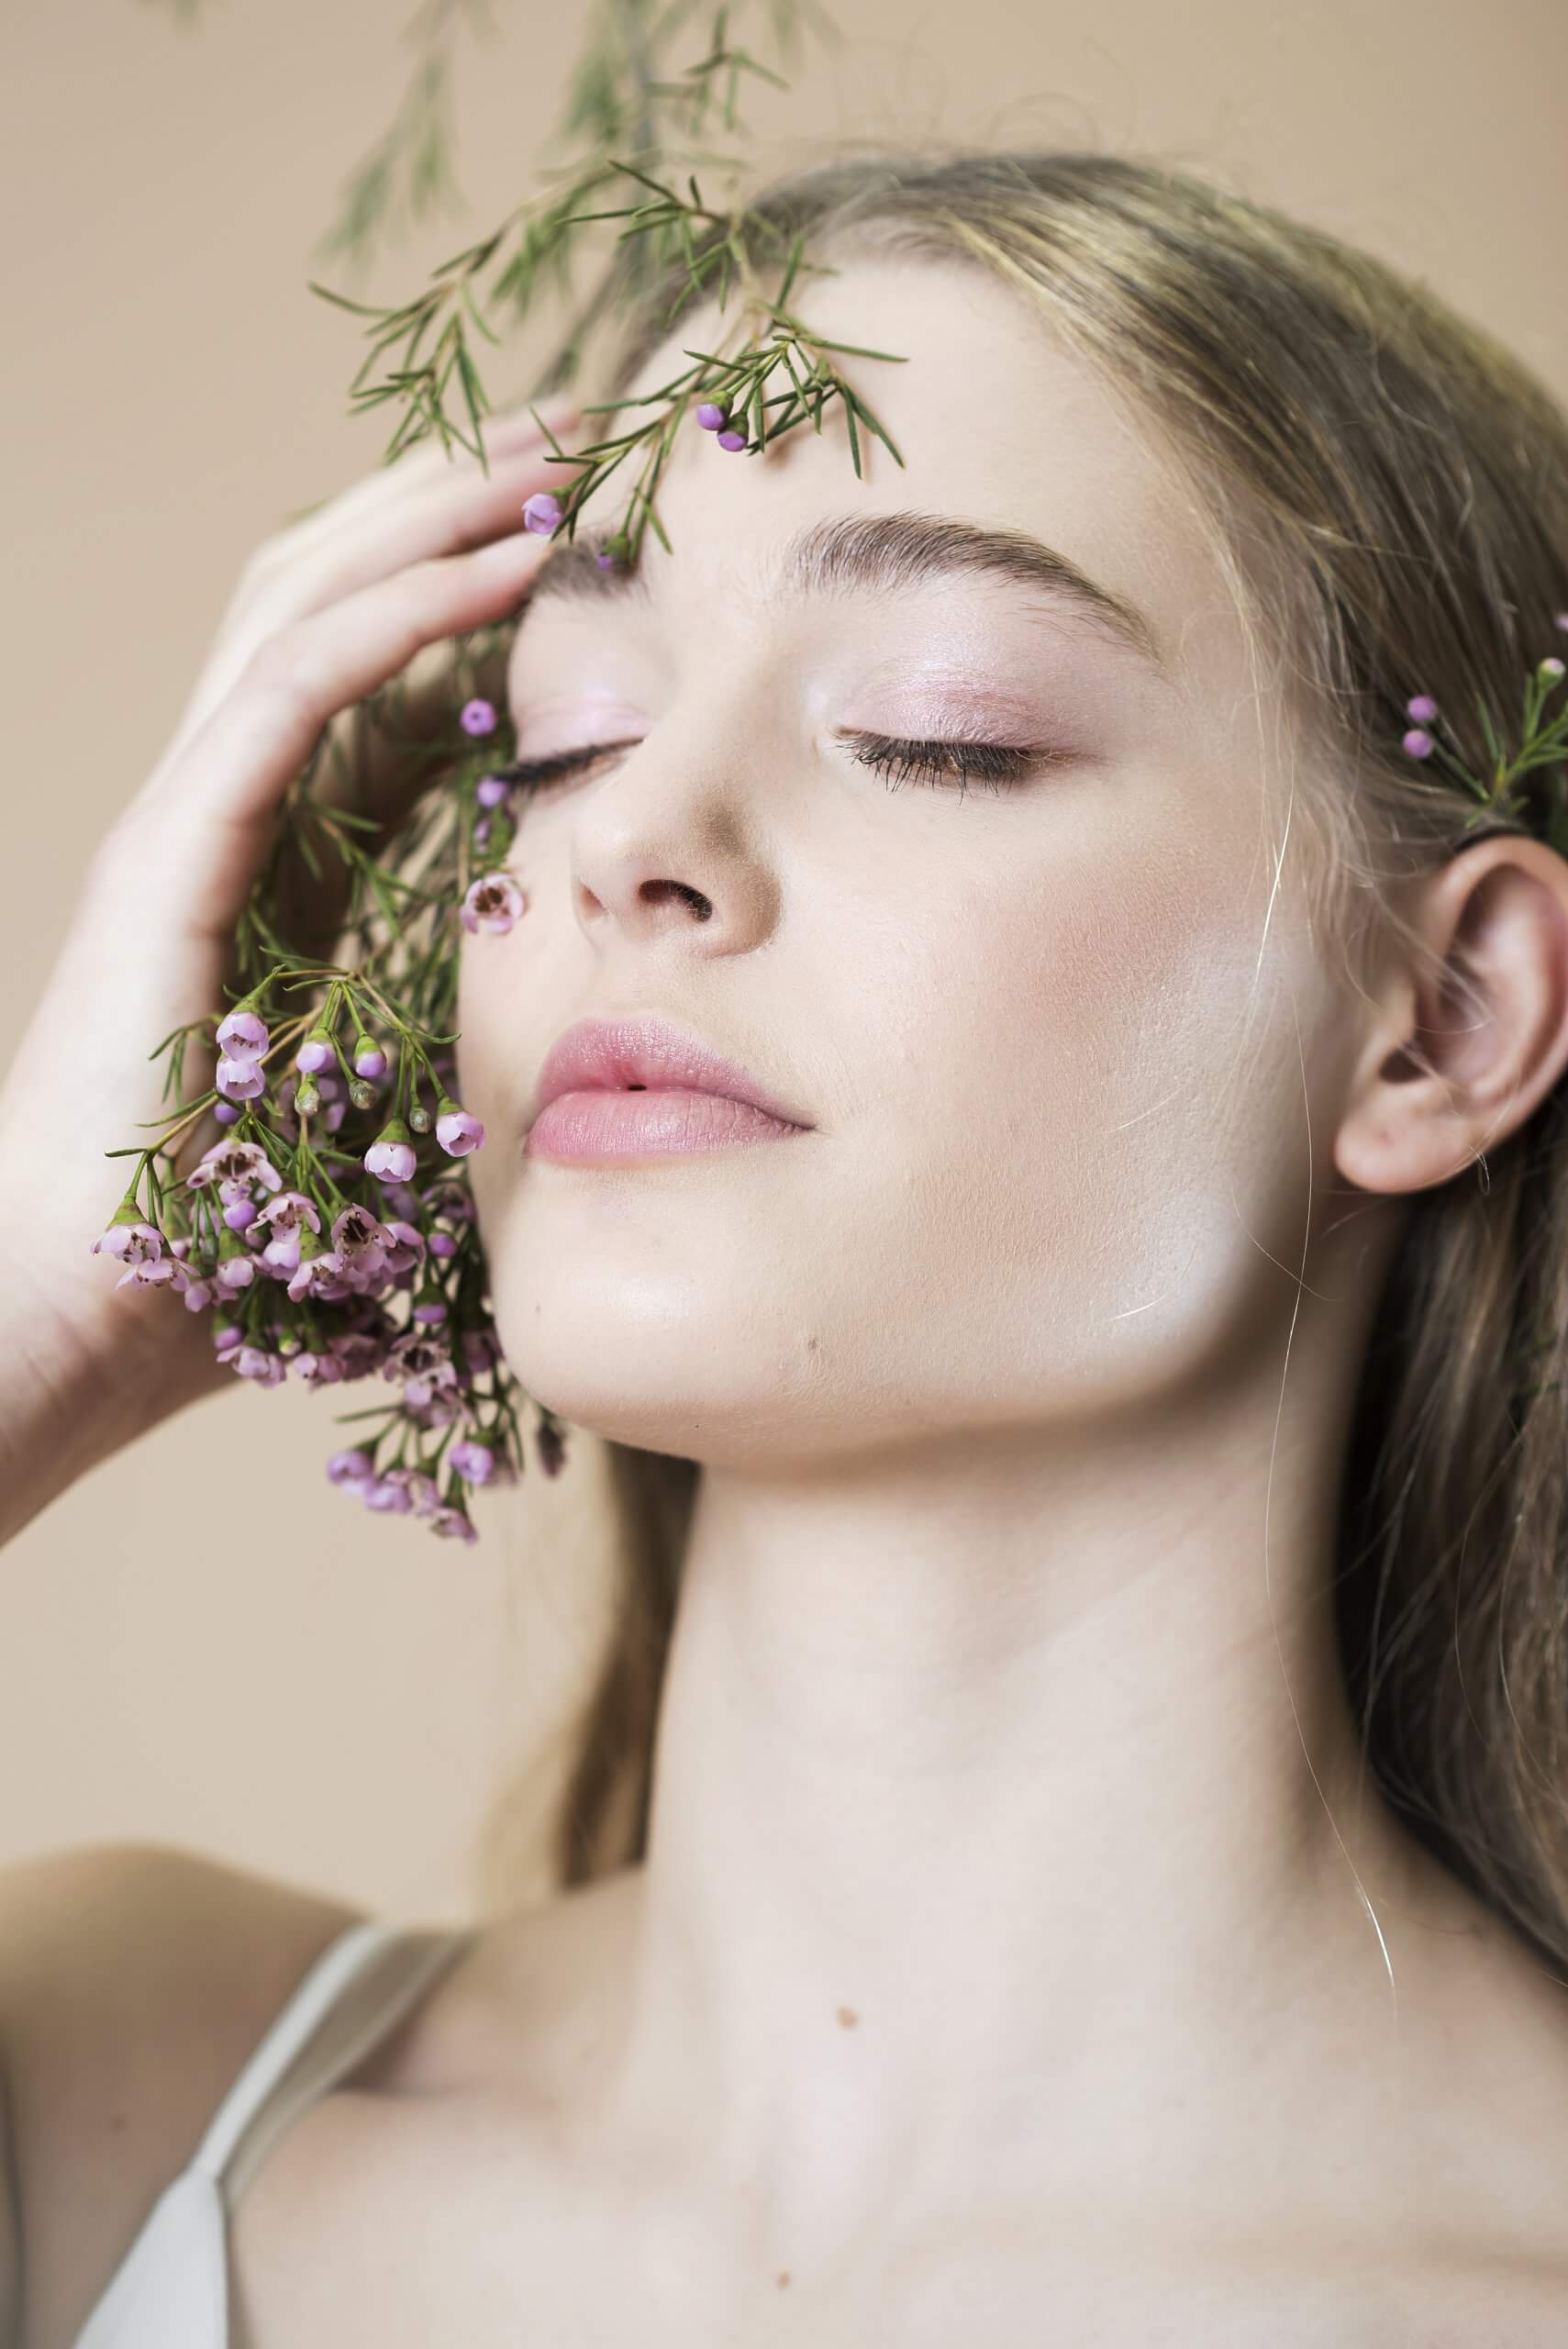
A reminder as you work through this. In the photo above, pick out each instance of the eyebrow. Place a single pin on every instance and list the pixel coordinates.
(873, 552)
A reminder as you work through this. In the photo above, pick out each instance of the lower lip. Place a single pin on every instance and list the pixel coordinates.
(602, 1125)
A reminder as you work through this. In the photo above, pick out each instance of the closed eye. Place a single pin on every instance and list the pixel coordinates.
(998, 764)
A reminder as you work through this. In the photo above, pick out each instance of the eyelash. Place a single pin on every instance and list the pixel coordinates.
(937, 762)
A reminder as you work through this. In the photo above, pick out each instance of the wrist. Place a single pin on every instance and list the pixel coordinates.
(66, 1402)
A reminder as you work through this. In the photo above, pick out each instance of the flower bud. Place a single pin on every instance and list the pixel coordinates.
(307, 1100)
(420, 1118)
(368, 1059)
(317, 1053)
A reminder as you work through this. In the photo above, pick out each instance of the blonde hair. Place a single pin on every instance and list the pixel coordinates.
(1387, 486)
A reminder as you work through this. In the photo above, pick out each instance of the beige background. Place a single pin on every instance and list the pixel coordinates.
(334, 1701)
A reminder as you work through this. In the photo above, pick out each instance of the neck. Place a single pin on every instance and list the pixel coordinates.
(1006, 1825)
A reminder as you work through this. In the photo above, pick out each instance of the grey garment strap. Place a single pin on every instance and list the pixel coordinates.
(359, 1990)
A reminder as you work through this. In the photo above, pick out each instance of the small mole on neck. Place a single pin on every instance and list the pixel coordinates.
(848, 2016)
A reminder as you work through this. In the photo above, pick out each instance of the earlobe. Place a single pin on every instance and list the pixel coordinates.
(1475, 1031)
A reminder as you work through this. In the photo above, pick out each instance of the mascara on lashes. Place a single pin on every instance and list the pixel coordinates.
(937, 761)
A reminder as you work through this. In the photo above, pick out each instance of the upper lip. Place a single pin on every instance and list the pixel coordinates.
(641, 1051)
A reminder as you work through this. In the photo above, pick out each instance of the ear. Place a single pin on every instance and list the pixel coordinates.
(1459, 1056)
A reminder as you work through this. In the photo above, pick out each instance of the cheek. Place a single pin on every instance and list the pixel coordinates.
(1076, 1139)
(1088, 1002)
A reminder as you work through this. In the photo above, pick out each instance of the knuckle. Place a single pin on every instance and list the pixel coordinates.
(281, 672)
(264, 560)
(120, 851)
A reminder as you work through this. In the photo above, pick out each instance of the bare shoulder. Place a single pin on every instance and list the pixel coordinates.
(135, 1980)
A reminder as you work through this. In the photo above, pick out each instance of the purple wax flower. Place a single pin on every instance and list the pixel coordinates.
(475, 1462)
(424, 1493)
(236, 1163)
(606, 561)
(239, 1080)
(455, 1523)
(732, 439)
(226, 1113)
(1551, 668)
(1418, 744)
(710, 415)
(442, 1245)
(243, 1035)
(477, 717)
(314, 1055)
(458, 1133)
(385, 1495)
(371, 1062)
(394, 1162)
(492, 790)
(239, 1213)
(1423, 709)
(154, 1273)
(543, 512)
(135, 1244)
(320, 1276)
(494, 902)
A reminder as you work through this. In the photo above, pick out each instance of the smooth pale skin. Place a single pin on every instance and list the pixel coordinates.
(1017, 1956)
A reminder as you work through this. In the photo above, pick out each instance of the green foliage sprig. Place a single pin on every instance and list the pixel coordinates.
(422, 355)
(326, 1195)
(1500, 795)
(410, 169)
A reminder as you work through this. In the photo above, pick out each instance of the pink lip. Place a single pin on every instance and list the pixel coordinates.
(640, 1088)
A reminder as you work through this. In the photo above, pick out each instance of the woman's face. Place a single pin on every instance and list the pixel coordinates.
(1052, 1039)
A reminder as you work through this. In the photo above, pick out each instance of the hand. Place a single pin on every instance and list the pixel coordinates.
(325, 612)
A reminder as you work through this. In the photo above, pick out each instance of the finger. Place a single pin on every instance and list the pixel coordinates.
(447, 517)
(503, 434)
(208, 819)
